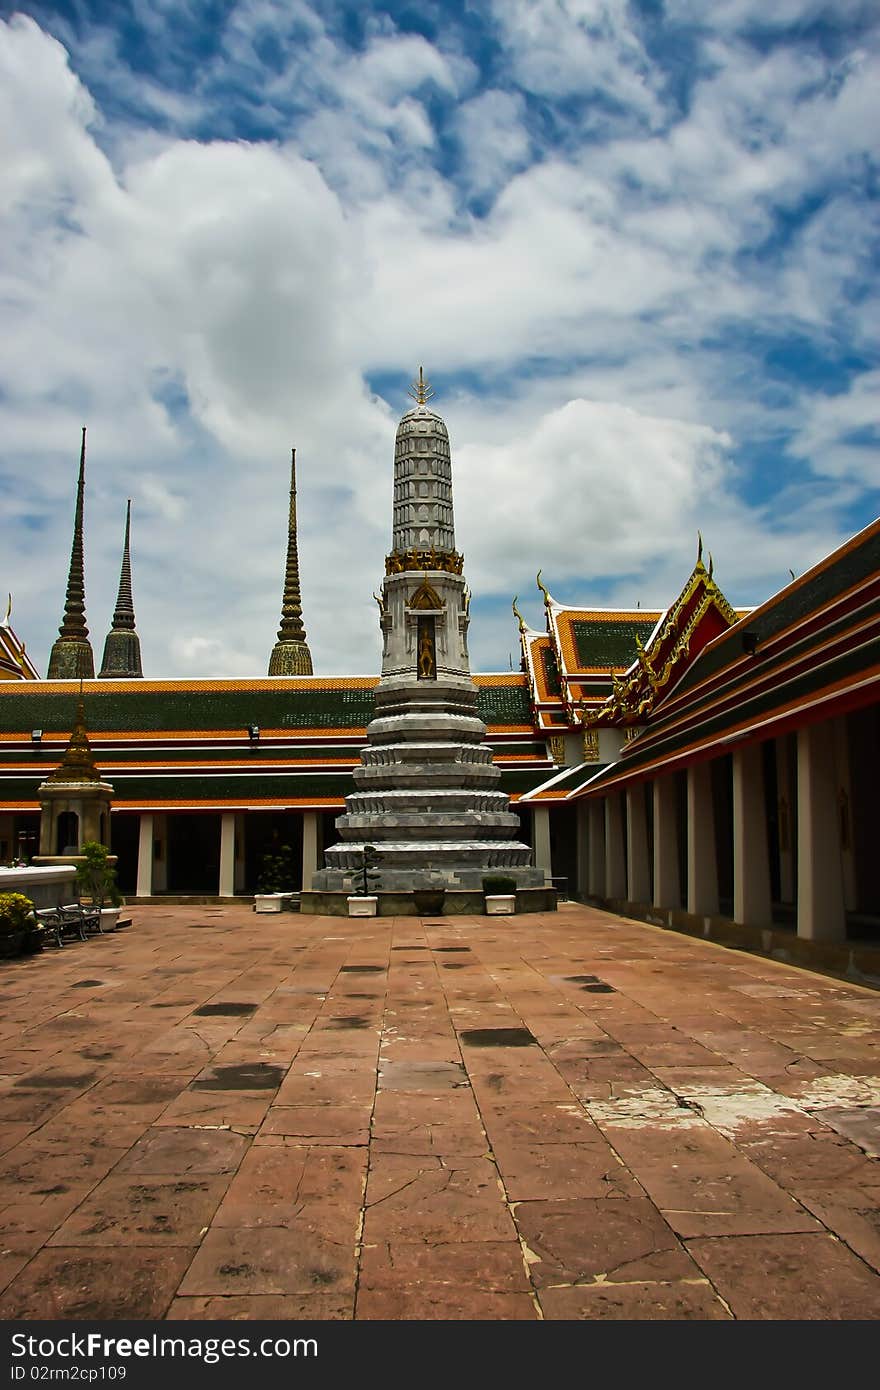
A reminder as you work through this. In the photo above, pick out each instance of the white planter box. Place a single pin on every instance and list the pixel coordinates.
(362, 907)
(500, 904)
(268, 902)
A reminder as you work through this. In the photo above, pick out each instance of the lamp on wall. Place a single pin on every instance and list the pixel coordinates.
(36, 735)
(253, 732)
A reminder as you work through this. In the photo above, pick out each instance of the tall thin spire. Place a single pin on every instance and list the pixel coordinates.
(71, 656)
(122, 649)
(291, 655)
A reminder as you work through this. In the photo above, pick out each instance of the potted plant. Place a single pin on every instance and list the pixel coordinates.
(96, 877)
(499, 893)
(18, 927)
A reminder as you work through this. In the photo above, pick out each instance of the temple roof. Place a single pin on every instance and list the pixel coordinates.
(15, 664)
(810, 652)
(699, 614)
(290, 741)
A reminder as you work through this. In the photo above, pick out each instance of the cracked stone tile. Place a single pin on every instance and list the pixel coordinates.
(279, 1184)
(170, 1151)
(796, 1276)
(333, 1306)
(269, 1260)
(536, 1171)
(625, 1241)
(427, 1198)
(850, 1213)
(137, 1210)
(861, 1125)
(551, 1123)
(414, 1266)
(442, 1304)
(320, 1124)
(642, 1301)
(95, 1284)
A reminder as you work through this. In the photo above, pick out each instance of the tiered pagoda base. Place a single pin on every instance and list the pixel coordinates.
(427, 798)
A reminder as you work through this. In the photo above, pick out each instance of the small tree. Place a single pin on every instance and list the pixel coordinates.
(96, 877)
(370, 873)
(276, 871)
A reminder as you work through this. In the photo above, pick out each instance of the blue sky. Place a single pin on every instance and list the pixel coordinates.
(634, 245)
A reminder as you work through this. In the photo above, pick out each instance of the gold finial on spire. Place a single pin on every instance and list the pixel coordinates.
(519, 617)
(699, 547)
(421, 390)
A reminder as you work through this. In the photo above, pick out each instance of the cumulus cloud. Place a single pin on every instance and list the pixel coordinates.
(222, 258)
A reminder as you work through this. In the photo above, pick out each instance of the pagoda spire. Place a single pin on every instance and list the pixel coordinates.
(78, 762)
(291, 655)
(71, 657)
(122, 649)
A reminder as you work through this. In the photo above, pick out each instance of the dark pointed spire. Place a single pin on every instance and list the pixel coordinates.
(122, 649)
(71, 656)
(290, 655)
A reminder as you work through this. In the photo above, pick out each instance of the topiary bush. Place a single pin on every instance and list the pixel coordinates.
(498, 884)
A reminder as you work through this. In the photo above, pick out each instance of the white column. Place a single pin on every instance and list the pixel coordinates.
(667, 878)
(226, 887)
(751, 865)
(596, 865)
(785, 794)
(145, 856)
(541, 839)
(582, 841)
(820, 899)
(638, 875)
(310, 849)
(615, 861)
(702, 867)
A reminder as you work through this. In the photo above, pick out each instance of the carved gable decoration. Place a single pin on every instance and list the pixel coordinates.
(699, 614)
(426, 596)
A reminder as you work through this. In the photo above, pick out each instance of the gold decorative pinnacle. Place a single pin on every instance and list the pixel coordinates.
(421, 390)
(516, 613)
(699, 548)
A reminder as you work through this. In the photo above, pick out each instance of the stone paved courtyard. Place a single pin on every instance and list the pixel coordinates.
(217, 1114)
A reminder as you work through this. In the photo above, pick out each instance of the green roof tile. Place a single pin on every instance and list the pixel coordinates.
(602, 642)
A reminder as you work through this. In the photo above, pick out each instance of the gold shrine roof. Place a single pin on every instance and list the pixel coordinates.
(15, 664)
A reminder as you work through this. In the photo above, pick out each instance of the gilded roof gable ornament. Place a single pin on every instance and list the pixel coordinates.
(421, 389)
(426, 596)
(519, 617)
(699, 549)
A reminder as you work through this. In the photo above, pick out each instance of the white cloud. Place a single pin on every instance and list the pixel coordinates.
(204, 305)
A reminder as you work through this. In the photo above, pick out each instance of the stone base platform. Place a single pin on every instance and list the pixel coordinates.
(456, 902)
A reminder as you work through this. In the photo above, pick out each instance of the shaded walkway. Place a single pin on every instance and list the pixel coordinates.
(576, 1116)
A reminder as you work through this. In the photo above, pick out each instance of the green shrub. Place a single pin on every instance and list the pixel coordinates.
(498, 884)
(15, 913)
